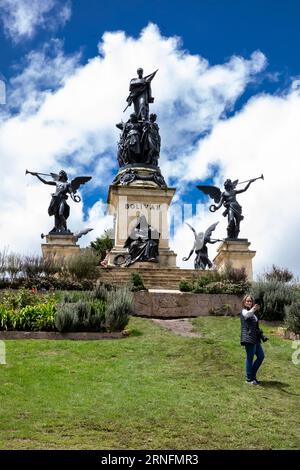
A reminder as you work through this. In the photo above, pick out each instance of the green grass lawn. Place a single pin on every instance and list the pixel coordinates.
(152, 390)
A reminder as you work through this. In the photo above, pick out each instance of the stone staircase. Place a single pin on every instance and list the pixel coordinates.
(157, 278)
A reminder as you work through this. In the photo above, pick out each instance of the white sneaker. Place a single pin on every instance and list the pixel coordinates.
(255, 382)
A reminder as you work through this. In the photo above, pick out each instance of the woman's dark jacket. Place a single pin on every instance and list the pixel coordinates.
(250, 332)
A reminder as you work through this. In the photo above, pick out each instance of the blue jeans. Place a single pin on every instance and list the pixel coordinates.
(252, 367)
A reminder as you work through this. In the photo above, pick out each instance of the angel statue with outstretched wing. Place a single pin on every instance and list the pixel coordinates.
(58, 205)
(227, 198)
(200, 247)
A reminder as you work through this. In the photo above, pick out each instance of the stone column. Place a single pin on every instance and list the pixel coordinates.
(126, 203)
(237, 253)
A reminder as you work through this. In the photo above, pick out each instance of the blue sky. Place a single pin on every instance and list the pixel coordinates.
(244, 72)
(216, 29)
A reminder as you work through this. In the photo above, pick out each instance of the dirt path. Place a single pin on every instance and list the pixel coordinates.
(180, 326)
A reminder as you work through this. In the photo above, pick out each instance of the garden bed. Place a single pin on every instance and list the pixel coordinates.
(85, 336)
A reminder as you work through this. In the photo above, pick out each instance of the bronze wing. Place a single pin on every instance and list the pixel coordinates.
(192, 228)
(210, 230)
(78, 181)
(213, 191)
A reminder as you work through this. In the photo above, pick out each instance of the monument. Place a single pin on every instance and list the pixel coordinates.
(233, 250)
(60, 241)
(138, 196)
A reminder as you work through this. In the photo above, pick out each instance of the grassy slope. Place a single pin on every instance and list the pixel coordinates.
(153, 390)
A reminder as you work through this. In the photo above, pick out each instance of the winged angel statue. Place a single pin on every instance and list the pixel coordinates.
(233, 210)
(200, 248)
(58, 204)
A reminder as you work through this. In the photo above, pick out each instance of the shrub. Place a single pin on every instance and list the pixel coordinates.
(47, 283)
(6, 318)
(120, 306)
(52, 264)
(292, 319)
(25, 297)
(199, 283)
(13, 264)
(279, 274)
(3, 257)
(185, 285)
(80, 316)
(136, 282)
(32, 266)
(273, 297)
(35, 317)
(83, 312)
(65, 318)
(237, 288)
(75, 296)
(233, 274)
(223, 310)
(83, 264)
(100, 292)
(97, 316)
(18, 299)
(215, 288)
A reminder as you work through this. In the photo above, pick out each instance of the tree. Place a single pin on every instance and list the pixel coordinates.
(103, 243)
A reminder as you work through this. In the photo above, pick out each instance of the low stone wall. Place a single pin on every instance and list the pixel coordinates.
(168, 304)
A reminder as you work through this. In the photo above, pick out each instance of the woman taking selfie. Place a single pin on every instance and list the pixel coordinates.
(251, 337)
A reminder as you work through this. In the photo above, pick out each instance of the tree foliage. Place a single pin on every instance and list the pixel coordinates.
(103, 243)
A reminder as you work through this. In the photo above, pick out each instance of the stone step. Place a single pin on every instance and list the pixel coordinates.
(153, 272)
(149, 276)
(159, 278)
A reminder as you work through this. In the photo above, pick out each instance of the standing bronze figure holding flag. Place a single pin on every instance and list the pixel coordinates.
(139, 142)
(140, 94)
(228, 199)
(58, 205)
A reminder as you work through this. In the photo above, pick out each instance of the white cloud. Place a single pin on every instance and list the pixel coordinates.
(65, 115)
(2, 92)
(22, 18)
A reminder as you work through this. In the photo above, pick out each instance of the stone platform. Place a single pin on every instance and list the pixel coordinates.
(237, 254)
(175, 304)
(60, 245)
(154, 277)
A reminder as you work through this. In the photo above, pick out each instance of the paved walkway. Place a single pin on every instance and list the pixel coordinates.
(181, 326)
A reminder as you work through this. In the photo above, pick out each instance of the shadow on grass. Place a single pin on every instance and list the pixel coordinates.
(281, 386)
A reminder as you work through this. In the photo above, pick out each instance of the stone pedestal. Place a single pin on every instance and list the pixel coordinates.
(126, 203)
(237, 253)
(60, 245)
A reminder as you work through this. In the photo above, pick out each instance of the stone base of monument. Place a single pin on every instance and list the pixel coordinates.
(60, 245)
(166, 259)
(127, 203)
(143, 175)
(153, 278)
(236, 253)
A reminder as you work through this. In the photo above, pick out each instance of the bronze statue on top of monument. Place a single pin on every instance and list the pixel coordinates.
(139, 143)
